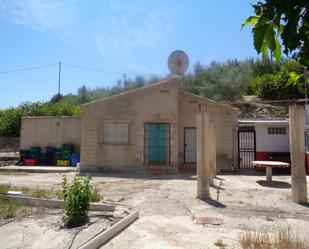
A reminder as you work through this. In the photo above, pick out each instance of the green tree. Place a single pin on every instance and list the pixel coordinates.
(287, 20)
(10, 118)
(220, 81)
(276, 86)
(82, 94)
(56, 98)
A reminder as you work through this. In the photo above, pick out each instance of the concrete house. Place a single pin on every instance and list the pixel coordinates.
(153, 126)
(263, 140)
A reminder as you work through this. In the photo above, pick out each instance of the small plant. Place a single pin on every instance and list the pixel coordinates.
(59, 194)
(4, 188)
(8, 208)
(96, 197)
(77, 198)
(219, 243)
(40, 193)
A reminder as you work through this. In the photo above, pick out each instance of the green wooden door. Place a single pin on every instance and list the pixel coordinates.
(157, 136)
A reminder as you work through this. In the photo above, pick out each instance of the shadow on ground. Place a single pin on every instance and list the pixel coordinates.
(142, 175)
(214, 203)
(274, 184)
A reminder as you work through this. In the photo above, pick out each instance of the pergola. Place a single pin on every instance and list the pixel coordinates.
(206, 151)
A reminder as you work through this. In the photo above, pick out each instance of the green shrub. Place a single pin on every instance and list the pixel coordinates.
(77, 198)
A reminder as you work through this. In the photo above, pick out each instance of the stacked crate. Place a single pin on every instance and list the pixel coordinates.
(65, 155)
(47, 156)
(50, 156)
(23, 154)
(33, 156)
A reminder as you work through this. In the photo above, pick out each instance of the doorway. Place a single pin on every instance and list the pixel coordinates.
(246, 147)
(157, 139)
(190, 145)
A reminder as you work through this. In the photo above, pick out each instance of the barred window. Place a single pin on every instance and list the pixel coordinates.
(116, 133)
(277, 130)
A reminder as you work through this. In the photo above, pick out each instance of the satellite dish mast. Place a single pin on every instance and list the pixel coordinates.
(178, 62)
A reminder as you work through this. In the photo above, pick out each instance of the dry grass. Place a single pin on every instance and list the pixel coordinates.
(282, 238)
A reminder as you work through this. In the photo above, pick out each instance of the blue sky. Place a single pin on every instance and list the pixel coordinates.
(130, 36)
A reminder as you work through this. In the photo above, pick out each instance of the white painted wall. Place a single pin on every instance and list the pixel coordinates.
(271, 142)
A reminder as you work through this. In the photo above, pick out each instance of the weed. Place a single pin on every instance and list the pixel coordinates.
(285, 196)
(255, 240)
(8, 208)
(269, 218)
(285, 239)
(4, 188)
(77, 198)
(95, 197)
(59, 194)
(282, 238)
(219, 243)
(21, 189)
(40, 193)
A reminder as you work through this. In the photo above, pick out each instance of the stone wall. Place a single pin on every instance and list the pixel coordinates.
(50, 131)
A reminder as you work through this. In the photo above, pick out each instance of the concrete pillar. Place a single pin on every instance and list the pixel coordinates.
(202, 129)
(269, 172)
(214, 145)
(212, 151)
(297, 150)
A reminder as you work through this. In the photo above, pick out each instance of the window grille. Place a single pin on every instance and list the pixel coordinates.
(307, 140)
(116, 133)
(277, 130)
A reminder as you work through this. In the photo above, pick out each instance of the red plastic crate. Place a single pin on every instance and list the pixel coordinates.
(31, 162)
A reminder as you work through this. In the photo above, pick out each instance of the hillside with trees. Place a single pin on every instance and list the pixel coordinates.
(221, 81)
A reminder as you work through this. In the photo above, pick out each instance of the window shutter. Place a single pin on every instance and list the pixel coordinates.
(116, 133)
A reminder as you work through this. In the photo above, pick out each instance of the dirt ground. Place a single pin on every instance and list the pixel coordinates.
(44, 229)
(169, 210)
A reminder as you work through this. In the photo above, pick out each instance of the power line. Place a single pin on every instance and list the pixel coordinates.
(28, 68)
(92, 69)
(64, 64)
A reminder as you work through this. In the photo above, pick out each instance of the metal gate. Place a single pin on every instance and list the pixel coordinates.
(157, 143)
(246, 148)
(190, 145)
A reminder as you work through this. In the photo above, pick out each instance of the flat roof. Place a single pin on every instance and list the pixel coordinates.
(272, 121)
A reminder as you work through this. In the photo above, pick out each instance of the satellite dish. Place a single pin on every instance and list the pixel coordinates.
(178, 62)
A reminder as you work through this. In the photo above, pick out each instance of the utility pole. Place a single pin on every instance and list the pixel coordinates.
(59, 77)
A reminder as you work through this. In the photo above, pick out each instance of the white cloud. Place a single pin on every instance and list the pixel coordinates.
(129, 26)
(38, 14)
(109, 27)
